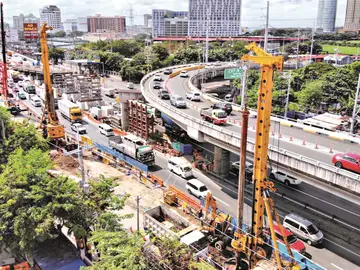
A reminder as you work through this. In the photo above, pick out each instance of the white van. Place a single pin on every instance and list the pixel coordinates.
(35, 100)
(180, 166)
(106, 130)
(303, 228)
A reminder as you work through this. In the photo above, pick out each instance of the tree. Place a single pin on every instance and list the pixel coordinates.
(31, 202)
(161, 52)
(76, 34)
(56, 54)
(60, 34)
(127, 48)
(311, 96)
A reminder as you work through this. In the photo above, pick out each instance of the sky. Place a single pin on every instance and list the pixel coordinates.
(283, 13)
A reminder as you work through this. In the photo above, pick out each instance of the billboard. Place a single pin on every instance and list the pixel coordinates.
(31, 31)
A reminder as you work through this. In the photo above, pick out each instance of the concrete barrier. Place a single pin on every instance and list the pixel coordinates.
(204, 131)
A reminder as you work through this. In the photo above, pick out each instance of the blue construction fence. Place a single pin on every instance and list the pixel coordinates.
(301, 260)
(128, 160)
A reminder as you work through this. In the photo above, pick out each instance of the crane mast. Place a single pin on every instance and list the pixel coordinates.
(252, 245)
(49, 120)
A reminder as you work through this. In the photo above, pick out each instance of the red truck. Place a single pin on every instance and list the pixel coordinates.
(215, 116)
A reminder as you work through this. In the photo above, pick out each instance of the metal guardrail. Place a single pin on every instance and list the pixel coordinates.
(330, 174)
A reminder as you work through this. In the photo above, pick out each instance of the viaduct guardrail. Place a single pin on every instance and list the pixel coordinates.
(205, 131)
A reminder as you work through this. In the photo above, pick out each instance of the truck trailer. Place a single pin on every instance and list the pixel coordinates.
(70, 110)
(133, 147)
(215, 116)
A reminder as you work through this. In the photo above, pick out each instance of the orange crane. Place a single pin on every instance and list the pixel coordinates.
(252, 245)
(50, 124)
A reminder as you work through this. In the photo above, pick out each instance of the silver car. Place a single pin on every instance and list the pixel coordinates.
(177, 101)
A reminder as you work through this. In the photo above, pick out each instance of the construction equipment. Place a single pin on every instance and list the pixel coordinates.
(252, 246)
(50, 124)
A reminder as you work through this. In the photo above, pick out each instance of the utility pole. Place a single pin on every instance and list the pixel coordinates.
(131, 19)
(287, 96)
(312, 41)
(356, 107)
(297, 48)
(266, 28)
(207, 36)
(243, 87)
(138, 213)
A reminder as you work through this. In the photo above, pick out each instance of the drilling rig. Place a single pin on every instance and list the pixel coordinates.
(251, 248)
(50, 124)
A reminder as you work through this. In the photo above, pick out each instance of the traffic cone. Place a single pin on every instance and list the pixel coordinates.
(253, 127)
(291, 138)
(304, 142)
(316, 145)
(272, 133)
(280, 135)
(331, 150)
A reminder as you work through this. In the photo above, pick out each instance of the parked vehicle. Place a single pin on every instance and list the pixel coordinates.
(184, 74)
(193, 96)
(77, 127)
(163, 94)
(130, 85)
(110, 92)
(215, 116)
(29, 88)
(157, 77)
(157, 85)
(168, 71)
(106, 130)
(226, 107)
(284, 178)
(347, 161)
(197, 188)
(177, 101)
(133, 147)
(70, 110)
(303, 228)
(294, 242)
(180, 166)
(228, 98)
(35, 100)
(249, 167)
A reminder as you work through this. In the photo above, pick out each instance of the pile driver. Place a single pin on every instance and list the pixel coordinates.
(50, 124)
(251, 246)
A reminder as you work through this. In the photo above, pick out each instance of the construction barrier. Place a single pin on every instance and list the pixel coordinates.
(185, 199)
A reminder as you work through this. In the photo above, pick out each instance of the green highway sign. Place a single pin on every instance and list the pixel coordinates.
(233, 73)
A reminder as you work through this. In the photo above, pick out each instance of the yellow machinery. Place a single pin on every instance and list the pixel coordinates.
(49, 120)
(252, 245)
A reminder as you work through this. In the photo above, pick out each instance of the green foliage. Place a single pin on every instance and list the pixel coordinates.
(31, 202)
(311, 96)
(60, 34)
(76, 34)
(56, 54)
(160, 51)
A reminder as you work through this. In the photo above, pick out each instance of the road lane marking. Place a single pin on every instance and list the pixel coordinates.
(336, 266)
(220, 201)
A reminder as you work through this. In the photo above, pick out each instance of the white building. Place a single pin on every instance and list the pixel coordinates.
(52, 16)
(326, 15)
(12, 35)
(70, 25)
(82, 24)
(224, 18)
(169, 23)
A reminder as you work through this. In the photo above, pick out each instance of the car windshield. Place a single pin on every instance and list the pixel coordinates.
(203, 188)
(187, 169)
(179, 99)
(291, 239)
(221, 115)
(312, 229)
(139, 143)
(164, 92)
(196, 94)
(227, 106)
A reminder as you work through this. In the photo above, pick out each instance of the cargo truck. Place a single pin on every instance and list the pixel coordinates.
(133, 147)
(215, 116)
(70, 111)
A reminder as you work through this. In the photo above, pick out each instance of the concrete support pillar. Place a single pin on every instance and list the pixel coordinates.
(225, 162)
(124, 115)
(217, 159)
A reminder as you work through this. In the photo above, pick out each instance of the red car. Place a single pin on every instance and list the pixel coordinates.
(294, 242)
(347, 161)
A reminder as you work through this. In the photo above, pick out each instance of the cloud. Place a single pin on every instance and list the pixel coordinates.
(283, 13)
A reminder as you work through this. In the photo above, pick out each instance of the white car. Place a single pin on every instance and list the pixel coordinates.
(130, 85)
(197, 188)
(193, 96)
(20, 84)
(157, 77)
(249, 167)
(78, 127)
(284, 178)
(184, 74)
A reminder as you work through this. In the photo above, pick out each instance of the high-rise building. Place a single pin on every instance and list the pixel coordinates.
(100, 23)
(18, 23)
(352, 16)
(147, 17)
(70, 25)
(52, 16)
(222, 18)
(169, 23)
(82, 24)
(326, 15)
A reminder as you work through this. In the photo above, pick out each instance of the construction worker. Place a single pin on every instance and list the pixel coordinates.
(200, 216)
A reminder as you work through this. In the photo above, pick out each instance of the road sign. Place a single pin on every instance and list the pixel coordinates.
(233, 73)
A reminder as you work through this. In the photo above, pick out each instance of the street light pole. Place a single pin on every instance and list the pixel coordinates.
(243, 88)
(355, 112)
(138, 213)
(287, 96)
